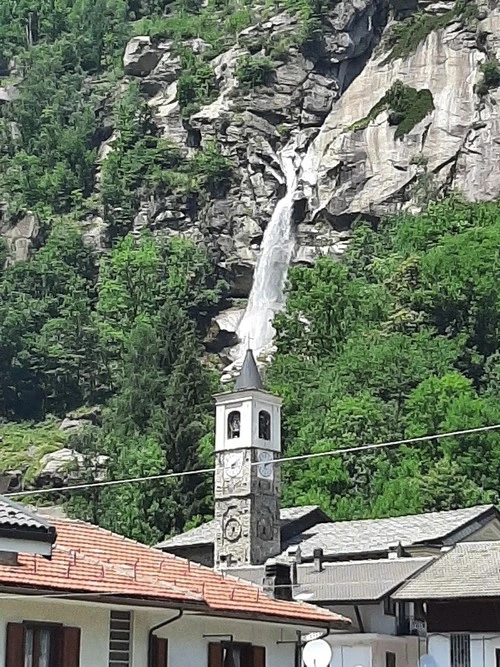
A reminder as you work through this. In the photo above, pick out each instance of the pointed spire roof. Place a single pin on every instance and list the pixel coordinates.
(249, 377)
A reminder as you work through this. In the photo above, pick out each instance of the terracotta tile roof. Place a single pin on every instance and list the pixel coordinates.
(89, 559)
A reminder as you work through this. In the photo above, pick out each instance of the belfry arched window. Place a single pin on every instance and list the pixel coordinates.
(264, 425)
(233, 424)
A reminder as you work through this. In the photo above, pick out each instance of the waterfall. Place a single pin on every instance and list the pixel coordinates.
(266, 297)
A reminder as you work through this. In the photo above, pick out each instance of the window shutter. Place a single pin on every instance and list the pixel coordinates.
(215, 655)
(70, 647)
(160, 652)
(259, 656)
(14, 656)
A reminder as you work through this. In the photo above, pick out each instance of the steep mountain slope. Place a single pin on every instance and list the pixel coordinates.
(145, 146)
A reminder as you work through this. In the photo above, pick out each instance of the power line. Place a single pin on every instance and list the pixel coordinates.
(284, 459)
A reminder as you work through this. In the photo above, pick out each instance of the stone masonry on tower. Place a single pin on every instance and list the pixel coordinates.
(247, 486)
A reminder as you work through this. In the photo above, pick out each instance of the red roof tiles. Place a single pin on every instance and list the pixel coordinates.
(89, 559)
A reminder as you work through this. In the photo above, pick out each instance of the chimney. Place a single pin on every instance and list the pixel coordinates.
(277, 580)
(394, 550)
(318, 560)
(294, 557)
(294, 554)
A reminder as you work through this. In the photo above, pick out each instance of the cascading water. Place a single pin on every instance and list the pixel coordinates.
(266, 297)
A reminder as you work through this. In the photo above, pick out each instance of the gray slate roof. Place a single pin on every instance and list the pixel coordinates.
(366, 536)
(344, 538)
(469, 570)
(13, 515)
(361, 581)
(205, 534)
(345, 582)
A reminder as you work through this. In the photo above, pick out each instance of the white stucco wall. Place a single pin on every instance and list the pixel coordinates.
(187, 646)
(372, 615)
(369, 650)
(351, 656)
(482, 649)
(92, 620)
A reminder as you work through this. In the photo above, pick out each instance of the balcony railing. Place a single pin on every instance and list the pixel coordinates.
(411, 626)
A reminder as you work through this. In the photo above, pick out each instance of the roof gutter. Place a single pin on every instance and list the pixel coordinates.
(34, 534)
(156, 627)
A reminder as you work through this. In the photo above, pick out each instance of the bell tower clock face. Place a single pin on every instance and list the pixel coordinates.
(265, 469)
(233, 464)
(265, 526)
(232, 529)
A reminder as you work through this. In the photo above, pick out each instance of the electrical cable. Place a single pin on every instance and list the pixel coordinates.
(285, 459)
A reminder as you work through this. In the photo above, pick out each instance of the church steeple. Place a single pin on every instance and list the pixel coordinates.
(249, 377)
(247, 484)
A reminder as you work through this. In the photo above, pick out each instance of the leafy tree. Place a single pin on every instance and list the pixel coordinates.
(400, 341)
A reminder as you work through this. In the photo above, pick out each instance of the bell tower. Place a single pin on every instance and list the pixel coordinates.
(247, 487)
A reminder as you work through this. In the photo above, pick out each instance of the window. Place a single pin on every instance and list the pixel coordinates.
(42, 645)
(119, 638)
(264, 425)
(233, 425)
(389, 606)
(460, 650)
(226, 654)
(419, 611)
(390, 659)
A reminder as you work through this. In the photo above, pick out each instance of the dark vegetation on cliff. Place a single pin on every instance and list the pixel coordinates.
(403, 337)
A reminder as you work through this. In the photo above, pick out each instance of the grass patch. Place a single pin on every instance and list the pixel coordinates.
(24, 444)
(254, 71)
(407, 106)
(407, 35)
(196, 84)
(491, 77)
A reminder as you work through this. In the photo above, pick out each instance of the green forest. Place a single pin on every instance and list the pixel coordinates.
(400, 339)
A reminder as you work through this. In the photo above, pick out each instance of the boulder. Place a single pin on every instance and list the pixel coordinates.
(20, 234)
(62, 466)
(222, 332)
(8, 94)
(72, 425)
(95, 234)
(11, 481)
(141, 56)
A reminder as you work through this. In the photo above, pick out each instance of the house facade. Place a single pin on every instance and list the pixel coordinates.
(459, 596)
(75, 595)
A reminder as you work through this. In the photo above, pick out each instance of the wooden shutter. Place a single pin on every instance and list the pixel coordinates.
(14, 656)
(160, 652)
(215, 655)
(70, 650)
(259, 656)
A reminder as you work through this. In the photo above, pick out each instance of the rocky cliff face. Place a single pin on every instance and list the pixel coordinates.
(349, 172)
(314, 98)
(325, 97)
